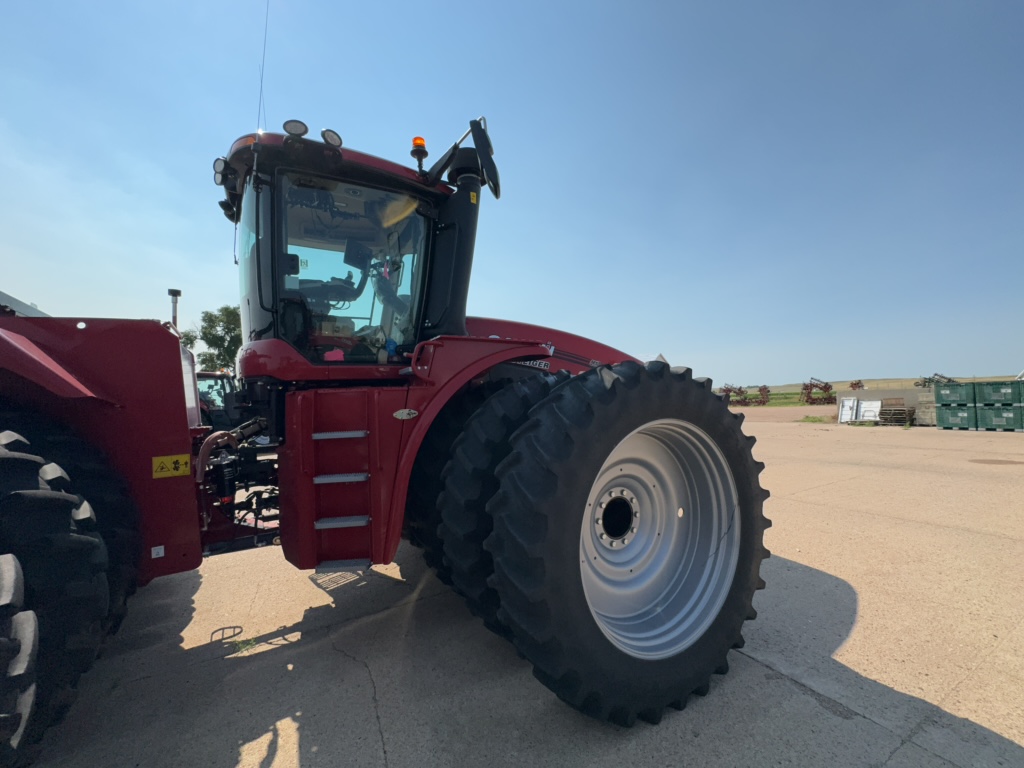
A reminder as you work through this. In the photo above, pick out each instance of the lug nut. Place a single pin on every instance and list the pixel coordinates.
(625, 542)
(603, 537)
(633, 529)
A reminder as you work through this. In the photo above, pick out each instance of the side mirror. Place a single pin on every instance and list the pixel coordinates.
(485, 152)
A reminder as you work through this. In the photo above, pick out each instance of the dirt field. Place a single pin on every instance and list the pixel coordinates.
(890, 634)
(760, 413)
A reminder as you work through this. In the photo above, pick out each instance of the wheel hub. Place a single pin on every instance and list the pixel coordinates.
(616, 517)
(660, 539)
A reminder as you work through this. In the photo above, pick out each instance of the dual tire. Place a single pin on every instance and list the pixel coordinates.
(610, 525)
(470, 483)
(423, 515)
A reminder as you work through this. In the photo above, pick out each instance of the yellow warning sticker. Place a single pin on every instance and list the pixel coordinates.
(472, 198)
(172, 466)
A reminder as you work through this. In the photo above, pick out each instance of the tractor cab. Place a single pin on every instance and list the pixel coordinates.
(347, 258)
(215, 399)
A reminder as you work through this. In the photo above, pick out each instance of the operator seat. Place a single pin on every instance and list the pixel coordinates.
(296, 323)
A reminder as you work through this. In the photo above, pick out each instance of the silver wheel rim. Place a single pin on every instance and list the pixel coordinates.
(660, 539)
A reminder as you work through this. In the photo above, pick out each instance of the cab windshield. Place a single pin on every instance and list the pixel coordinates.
(350, 266)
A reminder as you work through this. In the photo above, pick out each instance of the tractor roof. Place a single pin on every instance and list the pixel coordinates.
(276, 150)
(241, 151)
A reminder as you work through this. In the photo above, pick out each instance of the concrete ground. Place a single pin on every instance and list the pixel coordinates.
(890, 635)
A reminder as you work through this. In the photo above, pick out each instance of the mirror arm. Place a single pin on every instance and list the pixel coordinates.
(437, 169)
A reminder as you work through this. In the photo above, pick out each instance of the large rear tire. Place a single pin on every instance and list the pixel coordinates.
(55, 536)
(19, 643)
(627, 539)
(117, 518)
(470, 482)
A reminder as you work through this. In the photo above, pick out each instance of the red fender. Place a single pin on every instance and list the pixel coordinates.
(442, 366)
(571, 352)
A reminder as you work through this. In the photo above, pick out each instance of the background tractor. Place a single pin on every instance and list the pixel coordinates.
(603, 514)
(216, 399)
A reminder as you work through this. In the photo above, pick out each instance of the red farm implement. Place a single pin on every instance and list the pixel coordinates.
(817, 392)
(741, 396)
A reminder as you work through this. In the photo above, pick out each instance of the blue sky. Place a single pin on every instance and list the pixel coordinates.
(762, 191)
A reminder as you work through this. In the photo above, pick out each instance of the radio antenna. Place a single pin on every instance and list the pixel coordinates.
(260, 110)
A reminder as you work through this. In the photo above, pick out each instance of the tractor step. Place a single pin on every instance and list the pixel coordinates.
(355, 521)
(351, 477)
(337, 566)
(337, 458)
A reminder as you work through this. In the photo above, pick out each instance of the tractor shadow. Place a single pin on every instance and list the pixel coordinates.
(392, 671)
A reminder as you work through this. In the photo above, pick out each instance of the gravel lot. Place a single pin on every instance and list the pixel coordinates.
(890, 634)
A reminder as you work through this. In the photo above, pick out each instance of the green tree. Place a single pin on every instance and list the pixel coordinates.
(221, 333)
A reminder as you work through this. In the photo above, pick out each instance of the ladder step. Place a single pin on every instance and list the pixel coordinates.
(334, 566)
(353, 477)
(342, 522)
(341, 435)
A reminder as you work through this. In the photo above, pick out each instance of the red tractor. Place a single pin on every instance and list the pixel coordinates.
(603, 514)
